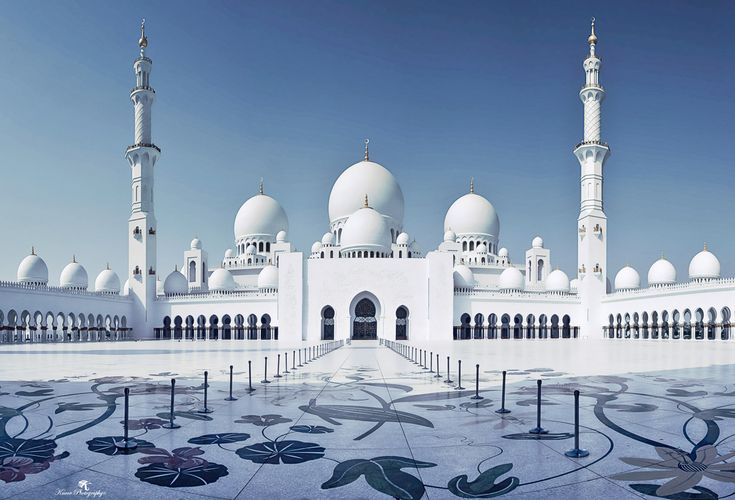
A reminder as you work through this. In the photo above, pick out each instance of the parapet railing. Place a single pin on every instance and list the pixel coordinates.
(33, 287)
(712, 284)
(254, 292)
(492, 292)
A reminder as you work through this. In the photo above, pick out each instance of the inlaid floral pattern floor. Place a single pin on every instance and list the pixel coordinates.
(365, 422)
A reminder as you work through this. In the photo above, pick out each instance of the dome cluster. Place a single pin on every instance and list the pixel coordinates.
(703, 266)
(33, 270)
(473, 217)
(366, 230)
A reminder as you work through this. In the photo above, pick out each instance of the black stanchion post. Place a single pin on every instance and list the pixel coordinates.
(126, 443)
(265, 371)
(250, 376)
(438, 375)
(448, 380)
(230, 398)
(293, 361)
(300, 365)
(577, 452)
(477, 383)
(538, 429)
(285, 363)
(503, 409)
(206, 409)
(431, 361)
(278, 367)
(171, 424)
(459, 375)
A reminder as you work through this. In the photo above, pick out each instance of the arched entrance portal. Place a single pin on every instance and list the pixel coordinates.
(364, 324)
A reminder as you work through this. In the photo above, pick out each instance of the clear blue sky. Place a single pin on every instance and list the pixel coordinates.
(289, 90)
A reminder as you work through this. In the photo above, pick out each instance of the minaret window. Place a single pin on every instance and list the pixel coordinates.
(192, 272)
(540, 270)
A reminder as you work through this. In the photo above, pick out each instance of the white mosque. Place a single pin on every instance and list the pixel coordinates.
(366, 278)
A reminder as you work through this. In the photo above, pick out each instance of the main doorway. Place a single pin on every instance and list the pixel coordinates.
(365, 325)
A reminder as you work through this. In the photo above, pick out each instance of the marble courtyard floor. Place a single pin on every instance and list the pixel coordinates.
(658, 418)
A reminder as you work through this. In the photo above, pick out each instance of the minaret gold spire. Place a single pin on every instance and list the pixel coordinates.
(143, 41)
(472, 184)
(260, 186)
(367, 152)
(592, 39)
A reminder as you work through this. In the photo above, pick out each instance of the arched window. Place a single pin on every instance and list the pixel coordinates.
(555, 327)
(479, 328)
(402, 323)
(725, 332)
(528, 273)
(192, 271)
(540, 270)
(492, 329)
(252, 327)
(505, 326)
(465, 329)
(328, 323)
(265, 327)
(464, 246)
(566, 331)
(472, 245)
(260, 246)
(268, 246)
(518, 327)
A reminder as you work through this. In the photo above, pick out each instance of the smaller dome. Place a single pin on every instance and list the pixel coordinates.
(268, 277)
(229, 253)
(328, 239)
(74, 276)
(627, 279)
(402, 239)
(107, 282)
(221, 280)
(511, 279)
(126, 288)
(661, 272)
(175, 283)
(463, 277)
(704, 265)
(574, 285)
(366, 229)
(557, 281)
(196, 244)
(503, 252)
(450, 235)
(316, 247)
(481, 248)
(250, 250)
(537, 242)
(33, 269)
(281, 236)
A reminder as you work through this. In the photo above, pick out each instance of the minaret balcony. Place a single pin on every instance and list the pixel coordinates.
(594, 86)
(592, 143)
(143, 145)
(142, 87)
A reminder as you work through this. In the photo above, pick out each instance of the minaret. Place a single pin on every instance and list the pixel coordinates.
(592, 222)
(142, 156)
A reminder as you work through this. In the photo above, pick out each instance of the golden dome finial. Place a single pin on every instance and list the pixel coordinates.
(705, 247)
(107, 266)
(143, 41)
(365, 202)
(592, 38)
(176, 267)
(367, 151)
(74, 258)
(472, 184)
(260, 186)
(33, 250)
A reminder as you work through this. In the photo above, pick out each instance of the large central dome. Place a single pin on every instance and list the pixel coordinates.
(260, 217)
(371, 179)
